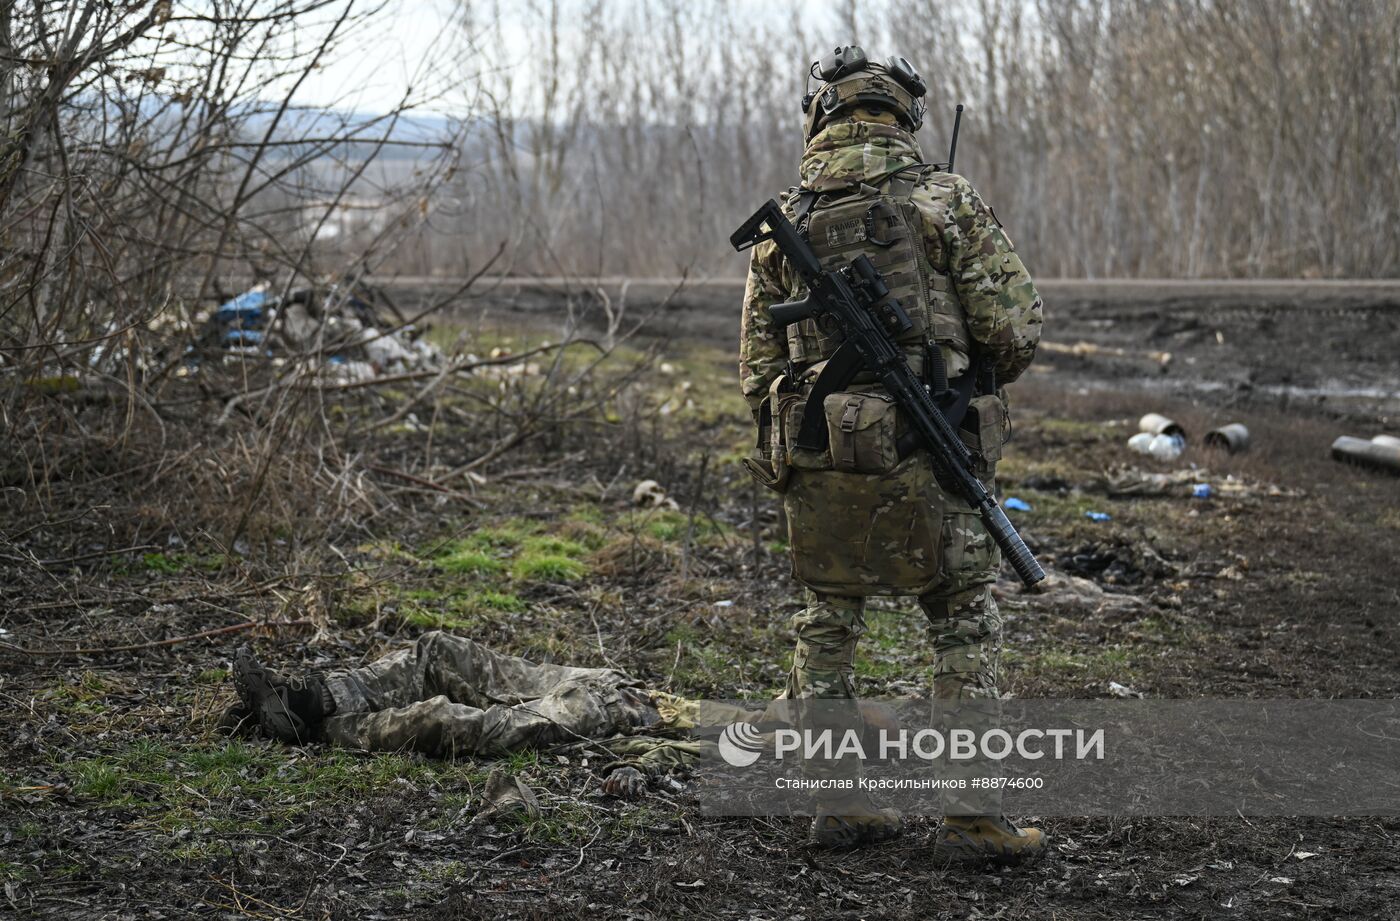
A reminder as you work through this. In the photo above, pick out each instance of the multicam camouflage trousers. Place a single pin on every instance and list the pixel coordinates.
(964, 617)
(966, 646)
(447, 695)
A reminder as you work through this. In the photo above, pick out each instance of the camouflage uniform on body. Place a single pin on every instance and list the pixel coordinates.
(866, 515)
(976, 277)
(450, 696)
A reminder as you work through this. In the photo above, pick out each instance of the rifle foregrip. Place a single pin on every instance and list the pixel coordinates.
(1012, 547)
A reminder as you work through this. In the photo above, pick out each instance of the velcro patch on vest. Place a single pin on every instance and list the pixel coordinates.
(844, 233)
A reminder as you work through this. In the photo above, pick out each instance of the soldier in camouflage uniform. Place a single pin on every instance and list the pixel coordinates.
(448, 695)
(866, 517)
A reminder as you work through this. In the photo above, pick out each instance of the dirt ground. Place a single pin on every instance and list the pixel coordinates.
(120, 799)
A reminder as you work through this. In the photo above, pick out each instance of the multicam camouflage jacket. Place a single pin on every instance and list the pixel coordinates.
(965, 242)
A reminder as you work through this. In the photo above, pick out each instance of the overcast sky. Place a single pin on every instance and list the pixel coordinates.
(413, 43)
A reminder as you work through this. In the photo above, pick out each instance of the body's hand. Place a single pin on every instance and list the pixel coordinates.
(625, 783)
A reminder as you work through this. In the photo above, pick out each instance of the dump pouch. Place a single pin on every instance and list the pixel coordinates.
(768, 462)
(860, 534)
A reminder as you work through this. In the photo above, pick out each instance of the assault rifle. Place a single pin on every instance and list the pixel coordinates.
(856, 301)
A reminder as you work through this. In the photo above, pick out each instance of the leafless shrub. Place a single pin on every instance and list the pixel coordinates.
(153, 163)
(1149, 138)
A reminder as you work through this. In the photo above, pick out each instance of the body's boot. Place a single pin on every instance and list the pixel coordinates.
(288, 707)
(855, 822)
(986, 838)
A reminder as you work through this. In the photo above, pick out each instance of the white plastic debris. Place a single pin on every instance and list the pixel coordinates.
(649, 494)
(1122, 690)
(1140, 441)
(1163, 446)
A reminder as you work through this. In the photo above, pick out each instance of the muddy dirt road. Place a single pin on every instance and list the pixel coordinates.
(1326, 348)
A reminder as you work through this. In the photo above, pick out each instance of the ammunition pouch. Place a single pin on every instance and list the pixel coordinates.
(984, 430)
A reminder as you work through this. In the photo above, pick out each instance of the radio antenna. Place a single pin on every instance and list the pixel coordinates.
(953, 147)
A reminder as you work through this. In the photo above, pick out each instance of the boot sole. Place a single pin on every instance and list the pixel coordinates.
(259, 696)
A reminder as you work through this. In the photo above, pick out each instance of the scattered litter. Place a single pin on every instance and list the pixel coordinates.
(355, 341)
(1122, 690)
(724, 604)
(1016, 505)
(1062, 592)
(649, 494)
(1163, 447)
(1116, 561)
(1184, 880)
(1304, 855)
(1201, 491)
(1377, 456)
(1166, 447)
(1281, 880)
(1132, 481)
(1222, 865)
(505, 794)
(1233, 438)
(1158, 424)
(1098, 516)
(1083, 349)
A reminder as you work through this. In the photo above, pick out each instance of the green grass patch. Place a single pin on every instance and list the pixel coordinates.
(552, 546)
(548, 568)
(703, 666)
(669, 525)
(235, 786)
(501, 601)
(470, 561)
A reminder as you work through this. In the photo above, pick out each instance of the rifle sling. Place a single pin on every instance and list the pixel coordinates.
(841, 368)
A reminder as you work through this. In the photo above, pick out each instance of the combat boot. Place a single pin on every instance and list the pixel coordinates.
(988, 839)
(859, 823)
(288, 707)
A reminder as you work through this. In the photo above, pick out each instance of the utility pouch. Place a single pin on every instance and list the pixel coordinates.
(984, 431)
(861, 432)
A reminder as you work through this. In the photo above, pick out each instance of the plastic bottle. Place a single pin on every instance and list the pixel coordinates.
(1166, 447)
(1141, 441)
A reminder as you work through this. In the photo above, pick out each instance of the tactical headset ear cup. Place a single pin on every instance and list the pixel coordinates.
(905, 75)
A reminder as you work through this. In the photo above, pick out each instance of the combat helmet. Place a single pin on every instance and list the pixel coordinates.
(850, 80)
